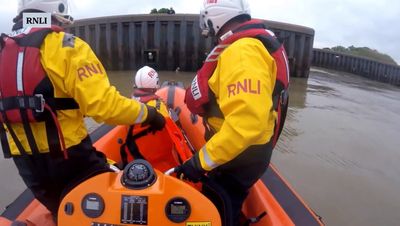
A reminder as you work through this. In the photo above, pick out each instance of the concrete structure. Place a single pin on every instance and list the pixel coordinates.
(366, 67)
(167, 42)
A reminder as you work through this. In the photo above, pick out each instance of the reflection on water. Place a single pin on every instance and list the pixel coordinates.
(339, 148)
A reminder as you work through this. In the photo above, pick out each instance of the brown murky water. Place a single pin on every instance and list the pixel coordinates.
(340, 148)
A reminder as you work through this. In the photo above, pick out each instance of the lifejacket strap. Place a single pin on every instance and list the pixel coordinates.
(37, 103)
(16, 140)
(4, 142)
(62, 103)
(6, 147)
(28, 132)
(22, 102)
(53, 138)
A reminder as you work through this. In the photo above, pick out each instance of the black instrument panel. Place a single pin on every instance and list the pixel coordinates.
(134, 209)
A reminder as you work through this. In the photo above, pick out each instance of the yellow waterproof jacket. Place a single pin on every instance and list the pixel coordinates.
(75, 72)
(243, 83)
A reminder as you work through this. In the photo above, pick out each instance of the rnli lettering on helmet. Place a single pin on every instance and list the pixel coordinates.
(88, 71)
(195, 89)
(151, 73)
(247, 86)
(212, 1)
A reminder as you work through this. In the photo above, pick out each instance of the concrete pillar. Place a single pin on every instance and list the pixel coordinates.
(144, 42)
(326, 59)
(170, 45)
(299, 55)
(386, 73)
(97, 38)
(291, 45)
(392, 75)
(120, 43)
(376, 73)
(343, 60)
(132, 47)
(108, 38)
(380, 72)
(108, 46)
(346, 63)
(367, 70)
(182, 51)
(196, 45)
(77, 32)
(314, 58)
(360, 63)
(86, 35)
(397, 76)
(145, 35)
(157, 34)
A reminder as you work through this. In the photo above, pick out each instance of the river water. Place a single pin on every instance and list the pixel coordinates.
(340, 148)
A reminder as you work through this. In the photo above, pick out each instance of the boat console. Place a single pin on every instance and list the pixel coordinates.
(138, 195)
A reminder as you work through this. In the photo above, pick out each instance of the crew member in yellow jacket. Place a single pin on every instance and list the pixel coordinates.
(233, 92)
(76, 81)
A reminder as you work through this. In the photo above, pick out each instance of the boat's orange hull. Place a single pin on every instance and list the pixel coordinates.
(164, 150)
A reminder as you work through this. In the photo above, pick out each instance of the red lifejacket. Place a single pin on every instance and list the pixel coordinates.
(199, 97)
(144, 95)
(26, 93)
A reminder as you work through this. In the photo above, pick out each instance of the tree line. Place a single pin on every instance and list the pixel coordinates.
(364, 52)
(163, 11)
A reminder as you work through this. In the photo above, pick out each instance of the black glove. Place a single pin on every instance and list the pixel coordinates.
(190, 170)
(154, 119)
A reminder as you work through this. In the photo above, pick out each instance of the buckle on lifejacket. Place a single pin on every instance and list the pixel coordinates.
(41, 101)
(21, 102)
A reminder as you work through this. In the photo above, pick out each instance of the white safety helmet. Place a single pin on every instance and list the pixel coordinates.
(215, 13)
(147, 77)
(58, 8)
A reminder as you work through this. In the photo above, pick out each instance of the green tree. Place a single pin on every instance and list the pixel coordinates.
(365, 52)
(163, 11)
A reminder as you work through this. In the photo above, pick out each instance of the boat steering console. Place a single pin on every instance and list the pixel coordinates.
(138, 195)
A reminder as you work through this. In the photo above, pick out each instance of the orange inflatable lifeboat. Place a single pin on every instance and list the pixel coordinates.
(144, 192)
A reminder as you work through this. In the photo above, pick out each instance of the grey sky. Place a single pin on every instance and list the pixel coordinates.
(371, 23)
